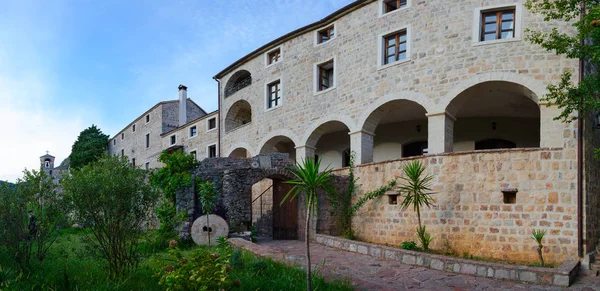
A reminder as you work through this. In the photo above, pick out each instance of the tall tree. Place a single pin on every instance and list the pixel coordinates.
(113, 199)
(583, 42)
(89, 147)
(307, 180)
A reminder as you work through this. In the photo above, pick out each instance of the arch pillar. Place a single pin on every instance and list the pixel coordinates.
(440, 137)
(303, 152)
(361, 143)
(551, 131)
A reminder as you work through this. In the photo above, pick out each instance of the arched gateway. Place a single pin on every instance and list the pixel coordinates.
(234, 179)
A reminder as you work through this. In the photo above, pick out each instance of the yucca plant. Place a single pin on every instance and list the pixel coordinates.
(307, 180)
(538, 235)
(417, 192)
(206, 196)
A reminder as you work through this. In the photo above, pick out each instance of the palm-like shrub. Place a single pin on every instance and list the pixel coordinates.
(538, 235)
(417, 193)
(307, 180)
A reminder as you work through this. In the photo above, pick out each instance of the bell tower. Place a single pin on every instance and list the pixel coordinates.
(47, 163)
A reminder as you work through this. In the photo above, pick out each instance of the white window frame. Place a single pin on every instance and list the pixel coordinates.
(194, 151)
(316, 34)
(173, 139)
(216, 150)
(380, 47)
(208, 129)
(267, 56)
(382, 12)
(475, 38)
(267, 94)
(190, 131)
(316, 76)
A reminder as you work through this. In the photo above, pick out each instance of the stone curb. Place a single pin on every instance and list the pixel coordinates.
(562, 276)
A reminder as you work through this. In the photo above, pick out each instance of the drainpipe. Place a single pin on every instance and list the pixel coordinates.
(219, 119)
(580, 157)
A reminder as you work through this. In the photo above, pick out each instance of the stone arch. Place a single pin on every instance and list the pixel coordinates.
(239, 153)
(240, 113)
(312, 135)
(237, 81)
(415, 97)
(279, 132)
(238, 145)
(532, 88)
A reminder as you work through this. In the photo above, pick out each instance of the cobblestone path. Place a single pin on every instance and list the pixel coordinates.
(369, 273)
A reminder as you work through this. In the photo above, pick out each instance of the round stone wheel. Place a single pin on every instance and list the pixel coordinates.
(216, 226)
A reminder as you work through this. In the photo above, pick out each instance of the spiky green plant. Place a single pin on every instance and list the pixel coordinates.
(206, 196)
(538, 235)
(307, 180)
(417, 192)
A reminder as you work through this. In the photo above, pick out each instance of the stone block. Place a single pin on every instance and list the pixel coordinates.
(481, 271)
(437, 264)
(390, 255)
(376, 252)
(561, 280)
(502, 274)
(362, 249)
(409, 259)
(527, 276)
(352, 247)
(468, 269)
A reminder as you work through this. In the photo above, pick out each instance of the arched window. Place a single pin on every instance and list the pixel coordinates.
(237, 82)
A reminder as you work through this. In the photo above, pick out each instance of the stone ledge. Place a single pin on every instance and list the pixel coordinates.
(562, 276)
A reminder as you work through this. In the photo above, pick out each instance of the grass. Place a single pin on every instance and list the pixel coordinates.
(70, 266)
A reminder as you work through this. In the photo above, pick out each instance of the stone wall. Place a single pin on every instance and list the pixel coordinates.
(198, 143)
(444, 61)
(470, 213)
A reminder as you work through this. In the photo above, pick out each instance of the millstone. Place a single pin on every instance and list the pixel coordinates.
(216, 226)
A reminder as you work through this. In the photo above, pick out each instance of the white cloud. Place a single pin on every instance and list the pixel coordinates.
(30, 126)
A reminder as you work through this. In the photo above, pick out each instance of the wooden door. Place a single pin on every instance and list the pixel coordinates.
(285, 217)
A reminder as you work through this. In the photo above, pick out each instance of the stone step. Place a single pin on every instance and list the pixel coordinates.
(595, 266)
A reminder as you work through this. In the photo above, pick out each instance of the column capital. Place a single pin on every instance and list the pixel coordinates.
(446, 113)
(361, 131)
(305, 147)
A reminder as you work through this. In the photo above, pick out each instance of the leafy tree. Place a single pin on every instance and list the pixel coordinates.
(113, 199)
(89, 147)
(568, 95)
(417, 193)
(307, 180)
(31, 214)
(170, 178)
(538, 236)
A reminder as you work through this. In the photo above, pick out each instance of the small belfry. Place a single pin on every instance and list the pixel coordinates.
(47, 163)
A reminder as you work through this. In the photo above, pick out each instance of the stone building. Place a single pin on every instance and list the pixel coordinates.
(47, 165)
(451, 83)
(167, 125)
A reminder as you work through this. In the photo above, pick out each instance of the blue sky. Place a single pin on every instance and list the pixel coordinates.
(67, 64)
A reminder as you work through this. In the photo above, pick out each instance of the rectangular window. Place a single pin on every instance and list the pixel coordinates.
(326, 34)
(115, 141)
(193, 153)
(274, 94)
(147, 140)
(147, 118)
(122, 152)
(326, 76)
(391, 5)
(193, 131)
(212, 151)
(133, 162)
(147, 166)
(274, 56)
(395, 47)
(173, 139)
(498, 25)
(122, 136)
(212, 123)
(133, 128)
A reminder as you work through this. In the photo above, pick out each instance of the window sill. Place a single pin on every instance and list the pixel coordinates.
(396, 63)
(384, 14)
(325, 91)
(323, 43)
(212, 129)
(496, 41)
(191, 137)
(272, 108)
(273, 64)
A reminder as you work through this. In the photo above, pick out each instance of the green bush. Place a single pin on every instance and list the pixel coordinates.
(203, 270)
(409, 245)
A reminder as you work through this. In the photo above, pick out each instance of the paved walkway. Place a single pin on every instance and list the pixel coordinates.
(369, 273)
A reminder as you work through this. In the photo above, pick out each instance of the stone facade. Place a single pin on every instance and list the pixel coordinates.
(142, 142)
(198, 143)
